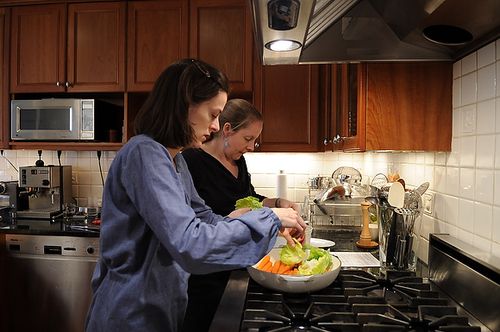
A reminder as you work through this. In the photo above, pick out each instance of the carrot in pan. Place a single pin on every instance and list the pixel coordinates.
(267, 267)
(276, 266)
(263, 262)
(284, 268)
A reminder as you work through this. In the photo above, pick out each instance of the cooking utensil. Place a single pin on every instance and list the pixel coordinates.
(379, 180)
(422, 188)
(396, 196)
(291, 283)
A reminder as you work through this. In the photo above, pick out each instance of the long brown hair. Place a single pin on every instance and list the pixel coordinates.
(164, 115)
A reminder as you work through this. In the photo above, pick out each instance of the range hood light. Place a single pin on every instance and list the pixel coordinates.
(283, 45)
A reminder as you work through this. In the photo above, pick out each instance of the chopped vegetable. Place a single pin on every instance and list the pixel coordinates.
(292, 255)
(263, 262)
(319, 261)
(248, 202)
(267, 267)
(276, 267)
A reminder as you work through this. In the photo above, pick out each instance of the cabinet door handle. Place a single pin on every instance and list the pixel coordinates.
(58, 83)
(68, 84)
(256, 145)
(326, 141)
(337, 139)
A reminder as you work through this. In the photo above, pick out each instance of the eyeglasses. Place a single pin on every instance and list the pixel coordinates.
(201, 68)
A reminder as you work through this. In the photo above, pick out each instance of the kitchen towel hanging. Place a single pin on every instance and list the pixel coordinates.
(281, 185)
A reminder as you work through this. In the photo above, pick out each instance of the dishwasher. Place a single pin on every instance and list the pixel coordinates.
(45, 282)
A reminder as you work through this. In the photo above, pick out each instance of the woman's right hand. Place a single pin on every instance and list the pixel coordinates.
(290, 219)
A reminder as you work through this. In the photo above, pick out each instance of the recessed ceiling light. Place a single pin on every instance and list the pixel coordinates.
(283, 45)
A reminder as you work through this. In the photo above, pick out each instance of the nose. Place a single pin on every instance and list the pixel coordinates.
(251, 146)
(214, 125)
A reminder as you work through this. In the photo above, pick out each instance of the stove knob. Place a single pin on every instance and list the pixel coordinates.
(90, 250)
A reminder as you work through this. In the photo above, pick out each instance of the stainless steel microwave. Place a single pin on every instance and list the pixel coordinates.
(53, 119)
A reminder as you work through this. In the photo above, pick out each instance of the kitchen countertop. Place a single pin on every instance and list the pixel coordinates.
(58, 227)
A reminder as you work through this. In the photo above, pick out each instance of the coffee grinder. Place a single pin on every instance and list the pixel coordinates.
(48, 188)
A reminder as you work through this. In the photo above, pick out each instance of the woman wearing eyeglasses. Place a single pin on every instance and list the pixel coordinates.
(155, 228)
(222, 157)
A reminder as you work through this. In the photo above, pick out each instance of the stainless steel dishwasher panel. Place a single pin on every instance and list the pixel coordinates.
(47, 282)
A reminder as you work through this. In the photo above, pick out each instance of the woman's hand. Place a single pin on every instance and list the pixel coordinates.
(239, 212)
(281, 203)
(292, 225)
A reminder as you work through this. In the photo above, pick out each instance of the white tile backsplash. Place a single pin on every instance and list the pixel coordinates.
(485, 151)
(486, 82)
(466, 215)
(485, 117)
(484, 186)
(468, 151)
(483, 214)
(469, 89)
(467, 177)
(469, 63)
(486, 55)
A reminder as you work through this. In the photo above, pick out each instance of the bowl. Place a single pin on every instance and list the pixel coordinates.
(294, 283)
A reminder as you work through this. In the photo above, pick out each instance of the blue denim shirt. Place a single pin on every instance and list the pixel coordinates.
(155, 231)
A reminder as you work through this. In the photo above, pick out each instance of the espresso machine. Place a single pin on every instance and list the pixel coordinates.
(48, 189)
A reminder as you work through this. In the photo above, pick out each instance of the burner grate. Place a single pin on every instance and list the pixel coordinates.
(356, 302)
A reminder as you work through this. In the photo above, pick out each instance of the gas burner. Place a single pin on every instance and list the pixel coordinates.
(356, 302)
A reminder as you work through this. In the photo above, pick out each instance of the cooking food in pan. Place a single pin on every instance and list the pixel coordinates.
(296, 270)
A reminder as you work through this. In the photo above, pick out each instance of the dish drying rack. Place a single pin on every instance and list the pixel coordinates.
(342, 211)
(338, 213)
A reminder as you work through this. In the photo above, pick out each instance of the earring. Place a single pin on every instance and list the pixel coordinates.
(226, 142)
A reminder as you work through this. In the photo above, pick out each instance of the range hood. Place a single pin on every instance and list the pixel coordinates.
(335, 31)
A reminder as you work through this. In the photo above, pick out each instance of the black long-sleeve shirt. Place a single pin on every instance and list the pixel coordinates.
(216, 184)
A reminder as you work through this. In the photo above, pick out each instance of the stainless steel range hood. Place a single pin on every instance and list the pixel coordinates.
(330, 31)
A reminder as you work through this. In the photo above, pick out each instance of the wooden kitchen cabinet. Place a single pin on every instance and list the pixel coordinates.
(391, 106)
(221, 35)
(157, 36)
(4, 79)
(79, 47)
(287, 96)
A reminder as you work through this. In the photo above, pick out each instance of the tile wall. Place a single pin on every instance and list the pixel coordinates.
(465, 182)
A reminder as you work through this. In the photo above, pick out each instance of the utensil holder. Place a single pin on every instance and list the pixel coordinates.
(398, 243)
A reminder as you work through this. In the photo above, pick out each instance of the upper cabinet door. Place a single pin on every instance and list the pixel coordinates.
(38, 48)
(4, 76)
(157, 37)
(95, 53)
(287, 97)
(221, 35)
(400, 106)
(96, 47)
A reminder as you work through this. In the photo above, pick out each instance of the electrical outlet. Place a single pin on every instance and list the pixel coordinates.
(428, 201)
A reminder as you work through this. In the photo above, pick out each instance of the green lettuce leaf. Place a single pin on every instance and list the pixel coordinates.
(248, 202)
(319, 261)
(292, 255)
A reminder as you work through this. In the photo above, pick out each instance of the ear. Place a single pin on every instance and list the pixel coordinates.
(226, 129)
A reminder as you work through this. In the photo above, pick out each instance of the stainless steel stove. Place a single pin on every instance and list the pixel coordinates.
(364, 301)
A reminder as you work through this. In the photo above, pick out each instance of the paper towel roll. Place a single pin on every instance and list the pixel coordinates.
(281, 185)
